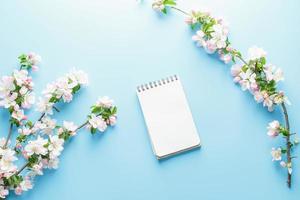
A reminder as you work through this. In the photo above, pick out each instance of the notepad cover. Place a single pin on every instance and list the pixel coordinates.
(168, 118)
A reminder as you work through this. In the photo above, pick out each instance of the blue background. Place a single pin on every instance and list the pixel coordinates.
(121, 44)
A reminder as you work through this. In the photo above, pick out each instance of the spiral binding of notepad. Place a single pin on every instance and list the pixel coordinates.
(157, 83)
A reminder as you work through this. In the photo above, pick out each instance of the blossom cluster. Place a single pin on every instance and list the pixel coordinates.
(30, 61)
(213, 34)
(103, 114)
(62, 89)
(275, 129)
(42, 151)
(161, 5)
(16, 89)
(254, 75)
(41, 143)
(260, 78)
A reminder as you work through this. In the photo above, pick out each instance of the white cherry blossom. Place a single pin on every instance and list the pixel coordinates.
(24, 131)
(6, 86)
(78, 76)
(34, 59)
(273, 73)
(44, 106)
(29, 100)
(56, 146)
(256, 53)
(7, 159)
(36, 147)
(47, 125)
(3, 192)
(105, 102)
(273, 128)
(70, 126)
(276, 154)
(158, 5)
(97, 122)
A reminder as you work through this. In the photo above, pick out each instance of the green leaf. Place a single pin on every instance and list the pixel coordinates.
(263, 60)
(193, 26)
(284, 132)
(53, 100)
(32, 160)
(13, 181)
(170, 3)
(244, 68)
(29, 124)
(283, 150)
(93, 130)
(22, 57)
(96, 109)
(76, 89)
(21, 138)
(65, 135)
(233, 59)
(113, 110)
(239, 54)
(164, 11)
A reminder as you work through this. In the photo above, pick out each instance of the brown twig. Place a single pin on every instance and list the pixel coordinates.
(242, 59)
(82, 125)
(41, 117)
(178, 9)
(288, 142)
(22, 168)
(56, 109)
(9, 135)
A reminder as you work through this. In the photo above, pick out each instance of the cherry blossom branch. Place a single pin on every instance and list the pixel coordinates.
(103, 114)
(28, 162)
(253, 74)
(41, 143)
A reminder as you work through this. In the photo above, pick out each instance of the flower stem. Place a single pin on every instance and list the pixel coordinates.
(288, 143)
(178, 9)
(41, 117)
(9, 135)
(82, 125)
(242, 59)
(22, 168)
(56, 109)
(85, 123)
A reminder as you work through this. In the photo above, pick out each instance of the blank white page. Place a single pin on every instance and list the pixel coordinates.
(168, 118)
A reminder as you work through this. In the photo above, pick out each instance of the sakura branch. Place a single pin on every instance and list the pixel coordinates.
(253, 74)
(40, 143)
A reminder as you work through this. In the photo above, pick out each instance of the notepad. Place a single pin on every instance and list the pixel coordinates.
(168, 117)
